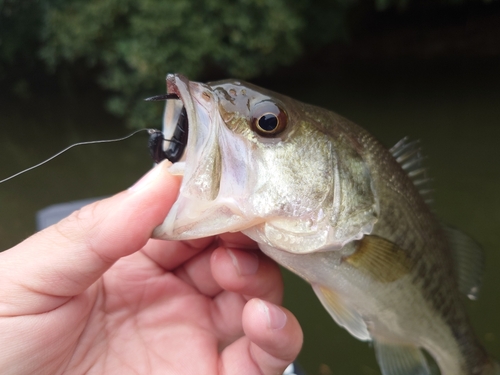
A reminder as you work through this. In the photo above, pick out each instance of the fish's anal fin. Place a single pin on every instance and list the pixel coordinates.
(379, 258)
(468, 260)
(409, 155)
(345, 317)
(400, 359)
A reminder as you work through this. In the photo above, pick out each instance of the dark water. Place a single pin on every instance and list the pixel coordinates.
(31, 131)
(453, 107)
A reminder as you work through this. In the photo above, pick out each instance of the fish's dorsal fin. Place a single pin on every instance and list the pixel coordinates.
(409, 155)
(468, 260)
(345, 317)
(400, 359)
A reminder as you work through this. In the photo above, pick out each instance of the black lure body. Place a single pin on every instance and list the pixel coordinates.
(177, 144)
(155, 145)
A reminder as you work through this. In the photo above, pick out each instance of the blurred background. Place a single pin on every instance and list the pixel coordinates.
(75, 70)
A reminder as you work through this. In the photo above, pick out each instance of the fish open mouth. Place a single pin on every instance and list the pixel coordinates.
(175, 145)
(175, 120)
(214, 191)
(191, 128)
(177, 141)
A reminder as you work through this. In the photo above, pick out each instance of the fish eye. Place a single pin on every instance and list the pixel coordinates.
(268, 119)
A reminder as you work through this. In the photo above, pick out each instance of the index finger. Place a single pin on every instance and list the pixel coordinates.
(63, 260)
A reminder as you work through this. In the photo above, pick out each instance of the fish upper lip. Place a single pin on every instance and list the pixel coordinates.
(173, 87)
(183, 94)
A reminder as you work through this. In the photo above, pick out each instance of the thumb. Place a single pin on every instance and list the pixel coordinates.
(63, 260)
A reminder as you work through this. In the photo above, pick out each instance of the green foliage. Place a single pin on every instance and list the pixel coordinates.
(20, 23)
(138, 41)
(134, 43)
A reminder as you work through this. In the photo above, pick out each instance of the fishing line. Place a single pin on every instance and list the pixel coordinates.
(150, 131)
(156, 139)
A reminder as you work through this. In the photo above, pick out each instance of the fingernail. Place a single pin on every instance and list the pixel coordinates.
(276, 318)
(148, 177)
(246, 263)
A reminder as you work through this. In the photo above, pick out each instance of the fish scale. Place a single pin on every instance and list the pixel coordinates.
(433, 280)
(323, 198)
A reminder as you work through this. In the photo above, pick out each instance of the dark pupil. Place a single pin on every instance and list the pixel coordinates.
(268, 122)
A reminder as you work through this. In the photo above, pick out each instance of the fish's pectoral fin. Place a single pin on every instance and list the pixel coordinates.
(345, 317)
(379, 258)
(400, 359)
(469, 261)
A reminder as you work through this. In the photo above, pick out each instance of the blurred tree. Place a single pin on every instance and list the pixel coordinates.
(134, 43)
(20, 24)
(139, 41)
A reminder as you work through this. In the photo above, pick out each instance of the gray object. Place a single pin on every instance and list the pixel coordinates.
(52, 214)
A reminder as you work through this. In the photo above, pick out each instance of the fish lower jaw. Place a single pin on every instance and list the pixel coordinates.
(193, 221)
(196, 219)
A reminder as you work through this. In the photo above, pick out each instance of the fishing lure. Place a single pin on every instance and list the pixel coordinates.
(178, 142)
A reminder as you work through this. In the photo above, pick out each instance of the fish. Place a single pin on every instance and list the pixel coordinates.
(326, 200)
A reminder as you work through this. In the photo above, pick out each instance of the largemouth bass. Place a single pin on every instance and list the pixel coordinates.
(322, 197)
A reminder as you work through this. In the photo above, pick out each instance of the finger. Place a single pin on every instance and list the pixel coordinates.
(197, 273)
(250, 273)
(171, 254)
(66, 258)
(243, 274)
(273, 340)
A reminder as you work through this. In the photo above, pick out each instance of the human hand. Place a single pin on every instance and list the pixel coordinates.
(94, 294)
